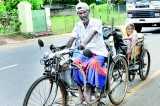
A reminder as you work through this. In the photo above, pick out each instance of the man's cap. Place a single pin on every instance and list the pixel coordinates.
(81, 6)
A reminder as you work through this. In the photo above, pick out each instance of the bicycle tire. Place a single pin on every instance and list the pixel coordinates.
(131, 77)
(31, 99)
(142, 72)
(118, 72)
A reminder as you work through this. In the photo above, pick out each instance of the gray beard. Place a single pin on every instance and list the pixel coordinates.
(85, 19)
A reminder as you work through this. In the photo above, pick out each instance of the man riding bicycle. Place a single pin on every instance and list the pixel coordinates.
(89, 32)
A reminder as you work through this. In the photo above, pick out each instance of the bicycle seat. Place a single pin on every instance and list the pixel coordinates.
(87, 53)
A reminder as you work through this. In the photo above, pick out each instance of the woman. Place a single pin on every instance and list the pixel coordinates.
(130, 38)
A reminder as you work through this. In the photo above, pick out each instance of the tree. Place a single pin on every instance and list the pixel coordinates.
(2, 7)
(12, 4)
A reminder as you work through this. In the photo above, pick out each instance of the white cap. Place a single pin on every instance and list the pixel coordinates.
(81, 6)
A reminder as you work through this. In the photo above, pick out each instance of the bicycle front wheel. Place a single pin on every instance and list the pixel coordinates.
(118, 79)
(45, 91)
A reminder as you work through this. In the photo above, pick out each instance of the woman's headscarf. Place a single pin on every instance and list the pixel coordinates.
(125, 30)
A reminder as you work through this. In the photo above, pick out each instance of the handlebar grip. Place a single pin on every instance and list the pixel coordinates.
(52, 48)
(62, 47)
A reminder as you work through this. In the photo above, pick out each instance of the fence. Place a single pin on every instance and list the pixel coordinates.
(65, 24)
(9, 23)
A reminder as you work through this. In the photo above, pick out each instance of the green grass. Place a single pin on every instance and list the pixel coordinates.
(65, 24)
(120, 19)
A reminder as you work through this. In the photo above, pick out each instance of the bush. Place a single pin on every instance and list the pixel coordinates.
(12, 4)
(2, 7)
(104, 12)
(36, 4)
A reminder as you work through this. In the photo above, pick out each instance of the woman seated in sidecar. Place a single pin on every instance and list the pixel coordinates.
(137, 52)
(133, 41)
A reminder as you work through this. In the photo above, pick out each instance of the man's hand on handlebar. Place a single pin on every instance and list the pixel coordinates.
(81, 47)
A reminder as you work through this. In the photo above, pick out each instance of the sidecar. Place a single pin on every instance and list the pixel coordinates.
(139, 62)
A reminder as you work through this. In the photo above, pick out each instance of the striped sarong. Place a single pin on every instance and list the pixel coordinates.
(94, 68)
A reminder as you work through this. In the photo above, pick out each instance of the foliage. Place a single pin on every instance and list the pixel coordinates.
(89, 1)
(65, 1)
(118, 1)
(9, 22)
(12, 4)
(102, 11)
(74, 2)
(2, 7)
(36, 4)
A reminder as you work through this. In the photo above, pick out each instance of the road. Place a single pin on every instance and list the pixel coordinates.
(20, 67)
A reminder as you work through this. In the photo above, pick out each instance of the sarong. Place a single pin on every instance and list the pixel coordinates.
(94, 68)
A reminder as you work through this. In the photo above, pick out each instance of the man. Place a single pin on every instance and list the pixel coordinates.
(89, 32)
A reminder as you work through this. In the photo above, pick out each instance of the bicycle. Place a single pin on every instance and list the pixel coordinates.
(52, 90)
(51, 84)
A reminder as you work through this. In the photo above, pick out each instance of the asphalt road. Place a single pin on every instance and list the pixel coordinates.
(20, 67)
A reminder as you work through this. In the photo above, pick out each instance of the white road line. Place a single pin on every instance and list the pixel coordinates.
(8, 67)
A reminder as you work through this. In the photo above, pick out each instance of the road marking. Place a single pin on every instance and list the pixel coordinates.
(8, 67)
(140, 85)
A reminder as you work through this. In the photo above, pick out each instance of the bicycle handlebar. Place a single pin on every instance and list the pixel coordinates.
(60, 52)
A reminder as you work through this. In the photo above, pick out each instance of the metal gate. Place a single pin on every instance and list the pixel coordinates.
(39, 21)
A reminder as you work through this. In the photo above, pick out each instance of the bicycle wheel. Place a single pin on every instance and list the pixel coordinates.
(46, 92)
(132, 74)
(144, 65)
(118, 79)
(131, 77)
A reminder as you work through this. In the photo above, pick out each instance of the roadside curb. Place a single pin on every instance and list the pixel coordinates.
(8, 42)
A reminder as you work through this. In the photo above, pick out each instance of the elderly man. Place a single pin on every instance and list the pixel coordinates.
(89, 32)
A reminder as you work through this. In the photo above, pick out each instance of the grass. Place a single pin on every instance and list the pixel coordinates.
(65, 24)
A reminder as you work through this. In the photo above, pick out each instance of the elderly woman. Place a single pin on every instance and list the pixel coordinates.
(130, 38)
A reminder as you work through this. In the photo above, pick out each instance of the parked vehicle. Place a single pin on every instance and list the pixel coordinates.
(143, 13)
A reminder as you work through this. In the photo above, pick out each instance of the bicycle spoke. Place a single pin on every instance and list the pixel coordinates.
(44, 93)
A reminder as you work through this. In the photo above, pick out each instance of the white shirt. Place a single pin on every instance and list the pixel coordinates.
(96, 45)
